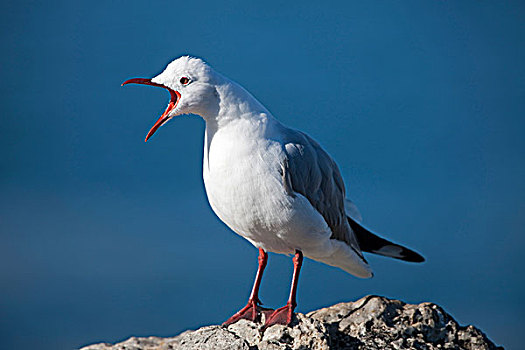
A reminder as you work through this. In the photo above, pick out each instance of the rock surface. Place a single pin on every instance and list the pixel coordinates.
(372, 322)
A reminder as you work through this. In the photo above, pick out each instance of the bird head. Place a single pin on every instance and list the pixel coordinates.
(192, 87)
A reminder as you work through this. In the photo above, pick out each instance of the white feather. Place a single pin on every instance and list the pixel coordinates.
(244, 150)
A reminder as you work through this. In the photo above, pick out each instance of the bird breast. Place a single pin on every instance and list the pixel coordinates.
(243, 182)
(242, 173)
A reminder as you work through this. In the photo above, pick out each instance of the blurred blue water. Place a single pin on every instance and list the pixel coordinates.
(103, 236)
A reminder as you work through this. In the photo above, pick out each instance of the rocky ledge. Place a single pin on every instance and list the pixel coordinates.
(372, 322)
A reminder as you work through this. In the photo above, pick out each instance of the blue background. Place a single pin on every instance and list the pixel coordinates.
(103, 236)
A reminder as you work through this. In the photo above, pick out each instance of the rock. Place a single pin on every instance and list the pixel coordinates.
(372, 322)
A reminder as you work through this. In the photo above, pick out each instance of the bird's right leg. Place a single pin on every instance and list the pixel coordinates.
(252, 309)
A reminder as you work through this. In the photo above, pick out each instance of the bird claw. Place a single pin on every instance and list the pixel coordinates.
(282, 315)
(250, 312)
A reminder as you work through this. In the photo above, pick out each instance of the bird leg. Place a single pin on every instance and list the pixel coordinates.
(283, 315)
(252, 309)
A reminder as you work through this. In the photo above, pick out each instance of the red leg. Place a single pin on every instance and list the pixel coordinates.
(250, 311)
(284, 314)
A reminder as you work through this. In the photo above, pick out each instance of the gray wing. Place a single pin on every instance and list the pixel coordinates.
(310, 171)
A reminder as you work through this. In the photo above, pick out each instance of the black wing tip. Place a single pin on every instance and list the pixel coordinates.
(413, 257)
(372, 243)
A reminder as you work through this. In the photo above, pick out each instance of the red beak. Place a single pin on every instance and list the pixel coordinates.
(175, 97)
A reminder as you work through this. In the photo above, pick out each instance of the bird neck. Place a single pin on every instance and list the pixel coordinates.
(235, 104)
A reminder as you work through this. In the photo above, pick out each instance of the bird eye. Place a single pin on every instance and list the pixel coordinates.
(184, 81)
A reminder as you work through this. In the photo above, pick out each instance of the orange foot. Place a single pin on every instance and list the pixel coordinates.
(250, 312)
(282, 315)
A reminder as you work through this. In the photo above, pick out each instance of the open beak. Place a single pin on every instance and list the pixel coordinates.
(175, 97)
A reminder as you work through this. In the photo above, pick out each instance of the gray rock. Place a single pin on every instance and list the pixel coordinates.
(372, 322)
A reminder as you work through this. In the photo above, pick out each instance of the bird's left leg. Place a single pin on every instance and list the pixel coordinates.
(283, 315)
(251, 310)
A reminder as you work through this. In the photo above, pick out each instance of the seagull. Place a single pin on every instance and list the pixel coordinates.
(271, 184)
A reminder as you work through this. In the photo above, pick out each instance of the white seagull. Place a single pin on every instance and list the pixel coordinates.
(273, 185)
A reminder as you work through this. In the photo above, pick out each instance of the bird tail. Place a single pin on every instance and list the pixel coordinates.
(345, 258)
(371, 243)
